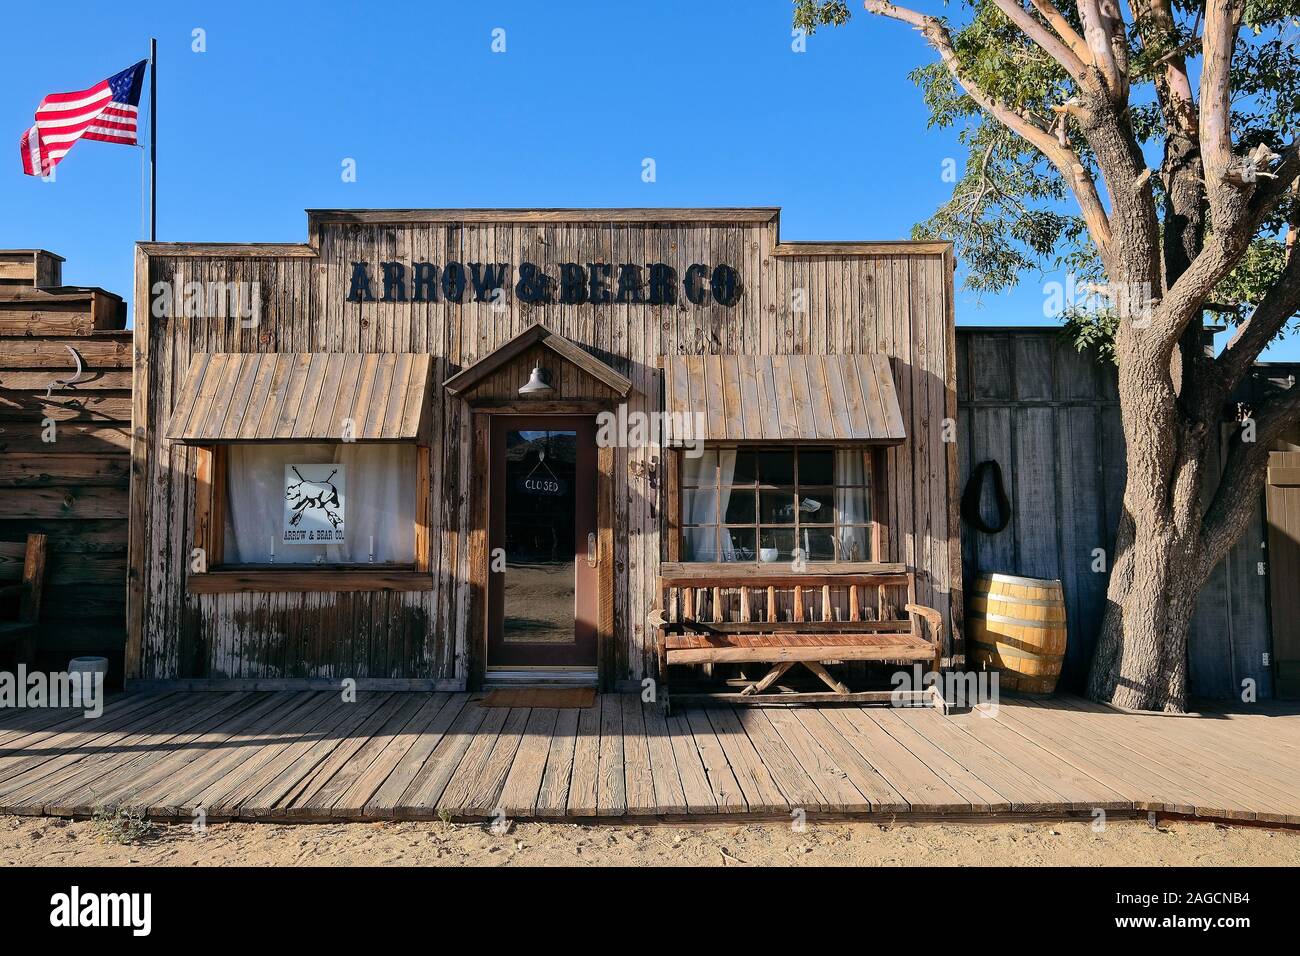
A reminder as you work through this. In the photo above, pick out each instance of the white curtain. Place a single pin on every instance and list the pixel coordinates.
(379, 503)
(703, 507)
(850, 504)
(726, 473)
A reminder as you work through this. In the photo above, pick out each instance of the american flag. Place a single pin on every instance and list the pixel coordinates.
(106, 112)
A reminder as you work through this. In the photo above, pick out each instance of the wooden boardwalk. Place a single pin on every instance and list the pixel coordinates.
(308, 756)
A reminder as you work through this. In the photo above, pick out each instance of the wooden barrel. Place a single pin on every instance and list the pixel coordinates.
(1017, 627)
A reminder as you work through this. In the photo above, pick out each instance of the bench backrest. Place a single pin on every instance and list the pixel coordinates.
(752, 595)
(23, 562)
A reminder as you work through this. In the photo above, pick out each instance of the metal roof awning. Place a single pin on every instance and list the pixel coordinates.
(302, 396)
(787, 397)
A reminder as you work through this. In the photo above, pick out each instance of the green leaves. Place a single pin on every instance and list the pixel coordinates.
(811, 14)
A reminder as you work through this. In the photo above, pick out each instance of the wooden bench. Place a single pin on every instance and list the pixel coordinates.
(22, 571)
(729, 614)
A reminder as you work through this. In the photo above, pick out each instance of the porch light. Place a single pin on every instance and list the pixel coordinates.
(537, 383)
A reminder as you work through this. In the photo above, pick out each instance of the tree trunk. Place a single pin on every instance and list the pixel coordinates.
(1159, 565)
(1141, 659)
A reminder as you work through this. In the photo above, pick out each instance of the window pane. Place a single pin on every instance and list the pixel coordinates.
(816, 466)
(815, 505)
(855, 543)
(852, 506)
(776, 544)
(739, 505)
(818, 543)
(366, 492)
(700, 544)
(700, 471)
(776, 467)
(700, 507)
(746, 467)
(776, 507)
(742, 544)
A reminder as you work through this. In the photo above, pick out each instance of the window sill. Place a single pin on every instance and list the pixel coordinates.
(308, 579)
(688, 571)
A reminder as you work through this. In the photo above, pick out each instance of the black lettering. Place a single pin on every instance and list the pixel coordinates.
(573, 283)
(487, 279)
(360, 290)
(394, 282)
(534, 286)
(663, 284)
(424, 282)
(453, 281)
(629, 284)
(599, 284)
(696, 293)
(725, 284)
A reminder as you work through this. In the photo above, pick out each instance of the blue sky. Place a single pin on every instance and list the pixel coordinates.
(254, 130)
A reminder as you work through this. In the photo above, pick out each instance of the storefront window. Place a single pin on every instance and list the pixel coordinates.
(764, 504)
(334, 504)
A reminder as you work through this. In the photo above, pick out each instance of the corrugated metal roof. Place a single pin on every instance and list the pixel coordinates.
(787, 397)
(300, 396)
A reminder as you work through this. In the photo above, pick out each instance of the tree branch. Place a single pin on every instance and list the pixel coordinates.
(1059, 51)
(1222, 21)
(1064, 30)
(1064, 159)
(1270, 192)
(1099, 32)
(1155, 19)
(1237, 496)
(1279, 304)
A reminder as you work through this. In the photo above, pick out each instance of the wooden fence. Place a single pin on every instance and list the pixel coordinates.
(64, 449)
(1050, 417)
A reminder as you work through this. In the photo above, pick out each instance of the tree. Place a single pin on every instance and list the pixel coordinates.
(1090, 150)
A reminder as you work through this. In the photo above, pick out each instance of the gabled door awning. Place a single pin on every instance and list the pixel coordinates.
(787, 397)
(466, 380)
(302, 396)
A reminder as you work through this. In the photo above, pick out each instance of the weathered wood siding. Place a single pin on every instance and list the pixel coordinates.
(1050, 417)
(72, 489)
(893, 298)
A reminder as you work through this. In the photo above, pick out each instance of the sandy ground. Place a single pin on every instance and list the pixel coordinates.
(27, 841)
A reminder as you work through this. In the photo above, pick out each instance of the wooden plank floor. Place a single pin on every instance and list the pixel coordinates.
(308, 756)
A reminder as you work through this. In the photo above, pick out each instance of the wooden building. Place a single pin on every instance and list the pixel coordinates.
(1049, 416)
(422, 391)
(65, 415)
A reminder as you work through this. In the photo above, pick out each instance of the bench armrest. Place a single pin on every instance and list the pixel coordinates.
(657, 619)
(932, 616)
(936, 627)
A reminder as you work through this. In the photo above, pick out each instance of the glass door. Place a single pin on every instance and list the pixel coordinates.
(542, 578)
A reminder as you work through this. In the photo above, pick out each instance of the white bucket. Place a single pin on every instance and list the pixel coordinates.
(88, 666)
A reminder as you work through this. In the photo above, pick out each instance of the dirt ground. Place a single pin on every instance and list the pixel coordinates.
(28, 841)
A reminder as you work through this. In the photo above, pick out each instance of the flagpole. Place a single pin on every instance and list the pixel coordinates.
(153, 139)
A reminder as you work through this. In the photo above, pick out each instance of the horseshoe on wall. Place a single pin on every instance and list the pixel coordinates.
(67, 382)
(970, 498)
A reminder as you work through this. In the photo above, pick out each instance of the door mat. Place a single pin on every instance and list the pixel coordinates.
(540, 697)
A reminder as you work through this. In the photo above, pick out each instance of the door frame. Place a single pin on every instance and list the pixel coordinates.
(481, 416)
